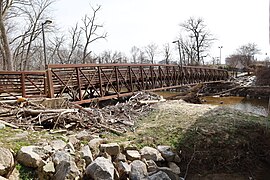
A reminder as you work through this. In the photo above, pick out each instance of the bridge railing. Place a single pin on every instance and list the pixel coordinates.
(14, 84)
(86, 82)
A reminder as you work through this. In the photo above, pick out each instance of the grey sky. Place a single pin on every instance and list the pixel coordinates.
(141, 22)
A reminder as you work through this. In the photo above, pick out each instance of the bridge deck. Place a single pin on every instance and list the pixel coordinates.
(84, 83)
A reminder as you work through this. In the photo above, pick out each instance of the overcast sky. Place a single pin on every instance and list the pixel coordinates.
(141, 22)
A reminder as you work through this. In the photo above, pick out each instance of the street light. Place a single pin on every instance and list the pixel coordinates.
(179, 49)
(44, 44)
(220, 47)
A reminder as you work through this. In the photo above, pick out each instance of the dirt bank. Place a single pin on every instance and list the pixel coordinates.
(209, 138)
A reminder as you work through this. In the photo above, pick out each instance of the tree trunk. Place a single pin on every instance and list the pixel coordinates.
(7, 53)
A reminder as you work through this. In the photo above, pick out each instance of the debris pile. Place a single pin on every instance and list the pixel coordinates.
(117, 118)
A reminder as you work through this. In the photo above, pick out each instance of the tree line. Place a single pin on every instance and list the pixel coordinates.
(21, 44)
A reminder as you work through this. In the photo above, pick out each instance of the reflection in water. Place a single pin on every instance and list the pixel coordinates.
(256, 106)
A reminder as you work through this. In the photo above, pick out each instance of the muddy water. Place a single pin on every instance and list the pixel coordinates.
(256, 106)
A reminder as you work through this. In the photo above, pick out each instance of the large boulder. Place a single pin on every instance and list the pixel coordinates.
(100, 168)
(138, 170)
(151, 153)
(6, 161)
(31, 156)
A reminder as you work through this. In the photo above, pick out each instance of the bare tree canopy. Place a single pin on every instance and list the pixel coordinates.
(244, 55)
(151, 51)
(200, 38)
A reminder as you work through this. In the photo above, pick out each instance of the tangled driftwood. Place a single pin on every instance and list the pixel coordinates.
(117, 118)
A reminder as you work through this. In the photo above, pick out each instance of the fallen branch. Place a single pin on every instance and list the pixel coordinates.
(8, 124)
(36, 112)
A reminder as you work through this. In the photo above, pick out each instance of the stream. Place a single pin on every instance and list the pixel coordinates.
(255, 106)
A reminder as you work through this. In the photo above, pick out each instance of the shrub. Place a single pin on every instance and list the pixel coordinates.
(263, 76)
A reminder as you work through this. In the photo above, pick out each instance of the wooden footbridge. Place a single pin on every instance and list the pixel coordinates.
(83, 83)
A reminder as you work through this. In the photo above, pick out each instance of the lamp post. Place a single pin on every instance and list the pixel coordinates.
(179, 49)
(44, 44)
(220, 47)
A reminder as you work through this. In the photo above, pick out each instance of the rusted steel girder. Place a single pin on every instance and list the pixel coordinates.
(84, 83)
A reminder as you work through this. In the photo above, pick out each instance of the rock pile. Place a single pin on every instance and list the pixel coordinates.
(95, 159)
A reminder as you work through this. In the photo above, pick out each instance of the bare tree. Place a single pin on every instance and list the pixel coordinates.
(200, 36)
(167, 53)
(28, 42)
(247, 53)
(151, 51)
(90, 30)
(5, 6)
(135, 51)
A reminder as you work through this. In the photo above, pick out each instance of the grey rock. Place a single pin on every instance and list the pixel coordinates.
(151, 165)
(47, 171)
(62, 170)
(151, 153)
(86, 154)
(174, 168)
(2, 126)
(166, 152)
(70, 148)
(74, 171)
(94, 145)
(31, 156)
(170, 173)
(121, 157)
(100, 168)
(177, 159)
(15, 175)
(159, 176)
(6, 161)
(58, 144)
(138, 170)
(49, 167)
(133, 155)
(60, 156)
(74, 141)
(112, 149)
(83, 136)
(123, 169)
